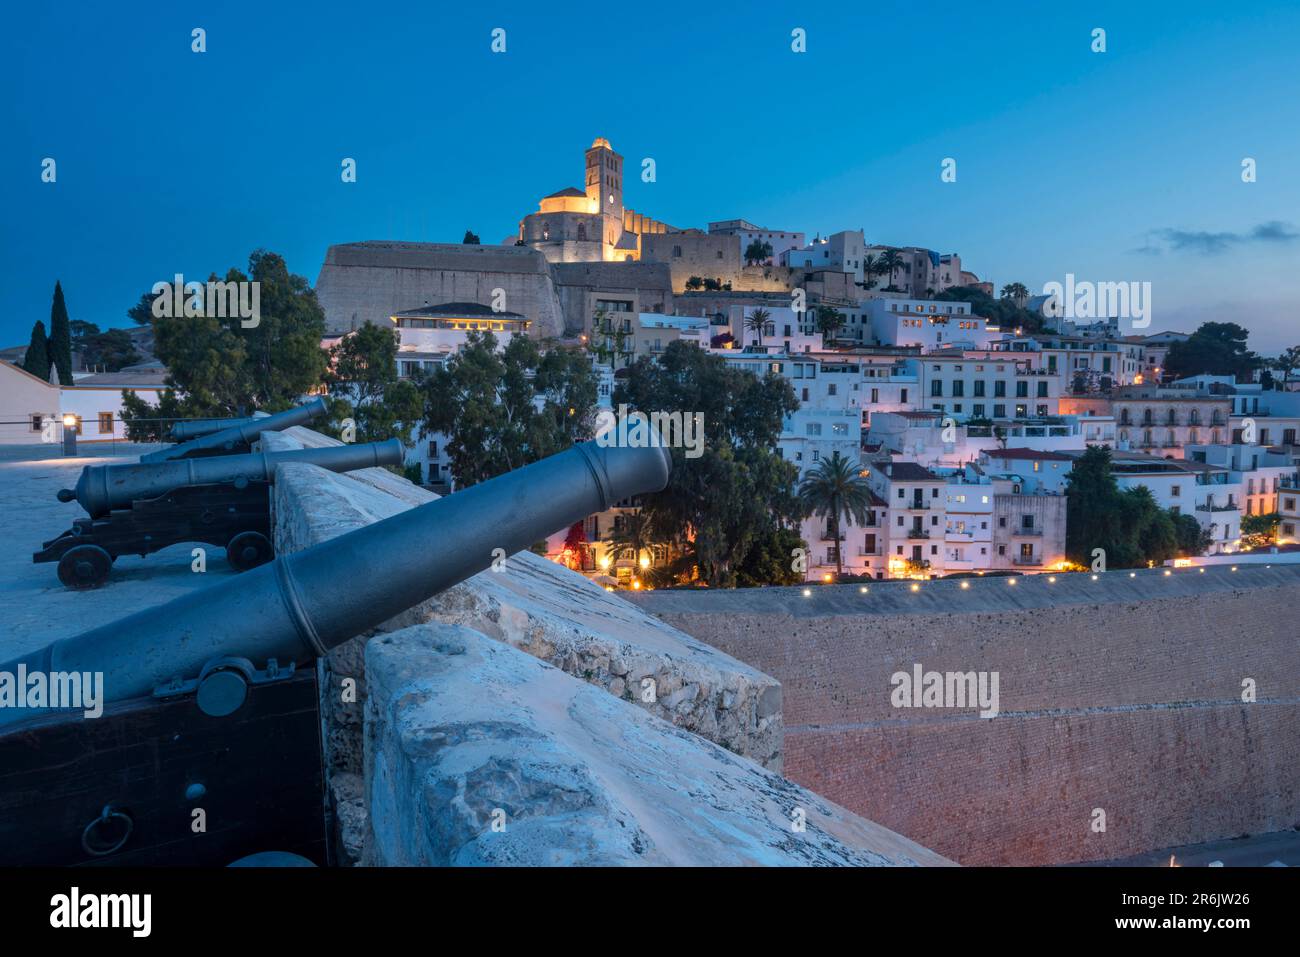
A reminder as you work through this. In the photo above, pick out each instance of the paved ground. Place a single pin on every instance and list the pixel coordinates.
(35, 608)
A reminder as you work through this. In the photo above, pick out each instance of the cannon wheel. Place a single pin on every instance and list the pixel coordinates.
(85, 566)
(248, 550)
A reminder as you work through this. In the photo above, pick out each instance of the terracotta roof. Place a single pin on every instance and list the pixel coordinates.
(910, 472)
(567, 191)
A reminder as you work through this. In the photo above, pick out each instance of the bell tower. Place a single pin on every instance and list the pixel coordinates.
(605, 191)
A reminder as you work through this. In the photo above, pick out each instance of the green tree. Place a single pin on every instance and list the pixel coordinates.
(1216, 348)
(503, 410)
(835, 492)
(693, 283)
(1193, 538)
(757, 251)
(60, 341)
(1095, 516)
(1286, 362)
(471, 239)
(37, 358)
(829, 322)
(1017, 292)
(1128, 524)
(738, 494)
(1259, 531)
(870, 267)
(890, 261)
(630, 538)
(768, 560)
(112, 349)
(363, 377)
(756, 321)
(220, 367)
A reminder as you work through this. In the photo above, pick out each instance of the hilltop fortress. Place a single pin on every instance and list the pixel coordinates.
(581, 250)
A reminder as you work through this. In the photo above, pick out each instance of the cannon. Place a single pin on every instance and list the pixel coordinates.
(193, 428)
(213, 690)
(220, 500)
(238, 438)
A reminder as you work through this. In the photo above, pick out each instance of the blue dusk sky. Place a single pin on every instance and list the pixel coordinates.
(1122, 165)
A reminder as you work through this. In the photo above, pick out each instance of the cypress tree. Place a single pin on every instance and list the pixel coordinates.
(60, 342)
(37, 359)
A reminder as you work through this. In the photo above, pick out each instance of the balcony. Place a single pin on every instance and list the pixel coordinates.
(1028, 560)
(917, 505)
(1027, 530)
(917, 533)
(1210, 507)
(876, 552)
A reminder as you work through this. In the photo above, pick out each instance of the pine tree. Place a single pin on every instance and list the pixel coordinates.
(60, 341)
(37, 359)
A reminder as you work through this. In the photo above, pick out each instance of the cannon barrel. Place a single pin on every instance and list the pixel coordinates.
(193, 428)
(228, 439)
(301, 605)
(102, 488)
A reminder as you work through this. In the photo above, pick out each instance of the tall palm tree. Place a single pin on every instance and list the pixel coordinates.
(756, 320)
(890, 262)
(1015, 291)
(870, 267)
(630, 537)
(835, 491)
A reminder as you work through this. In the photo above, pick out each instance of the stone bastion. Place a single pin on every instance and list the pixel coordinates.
(527, 716)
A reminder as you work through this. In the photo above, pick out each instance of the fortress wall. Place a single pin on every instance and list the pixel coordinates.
(361, 282)
(1123, 694)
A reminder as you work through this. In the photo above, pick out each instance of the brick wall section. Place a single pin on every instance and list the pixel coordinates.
(1122, 694)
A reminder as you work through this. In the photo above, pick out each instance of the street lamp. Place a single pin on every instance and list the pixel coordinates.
(69, 435)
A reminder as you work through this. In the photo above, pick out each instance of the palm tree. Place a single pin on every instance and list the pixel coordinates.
(834, 490)
(1015, 291)
(756, 320)
(829, 321)
(890, 261)
(870, 267)
(630, 537)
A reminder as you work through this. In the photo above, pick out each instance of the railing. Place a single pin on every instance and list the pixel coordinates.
(917, 505)
(1028, 560)
(1027, 530)
(917, 533)
(1230, 507)
(876, 552)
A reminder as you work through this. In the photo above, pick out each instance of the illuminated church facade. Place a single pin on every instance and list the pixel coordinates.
(590, 224)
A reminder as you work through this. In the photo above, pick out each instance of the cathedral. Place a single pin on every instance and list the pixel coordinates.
(591, 224)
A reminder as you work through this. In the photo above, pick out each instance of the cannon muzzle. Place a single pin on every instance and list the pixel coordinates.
(239, 437)
(299, 606)
(102, 488)
(193, 428)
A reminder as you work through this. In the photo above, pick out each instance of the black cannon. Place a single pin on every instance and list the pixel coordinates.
(220, 500)
(237, 438)
(210, 693)
(193, 428)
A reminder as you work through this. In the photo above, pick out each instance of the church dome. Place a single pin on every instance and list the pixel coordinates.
(601, 141)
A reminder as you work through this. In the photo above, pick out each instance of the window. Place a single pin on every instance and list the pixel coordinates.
(999, 411)
(1000, 389)
(936, 387)
(38, 422)
(979, 388)
(106, 423)
(1042, 390)
(830, 388)
(1022, 390)
(1176, 491)
(958, 388)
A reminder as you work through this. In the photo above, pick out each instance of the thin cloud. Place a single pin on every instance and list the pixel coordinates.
(1207, 243)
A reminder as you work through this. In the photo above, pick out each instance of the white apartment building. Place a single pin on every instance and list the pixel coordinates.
(841, 252)
(983, 388)
(928, 325)
(781, 240)
(930, 523)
